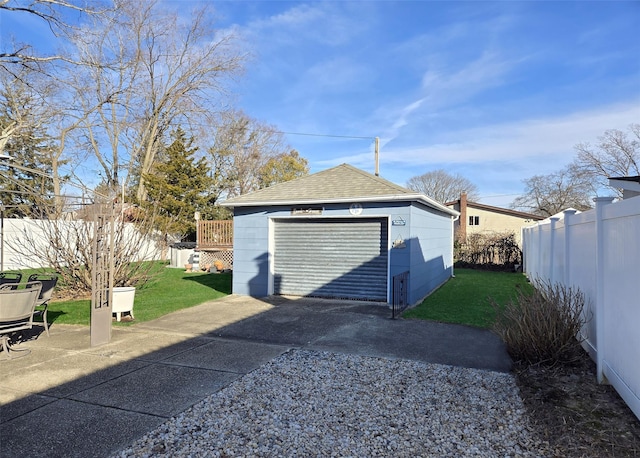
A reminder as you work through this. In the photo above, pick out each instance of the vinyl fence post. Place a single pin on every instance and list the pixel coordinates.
(568, 217)
(600, 269)
(539, 250)
(552, 248)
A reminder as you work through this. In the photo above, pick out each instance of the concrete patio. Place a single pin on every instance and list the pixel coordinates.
(70, 399)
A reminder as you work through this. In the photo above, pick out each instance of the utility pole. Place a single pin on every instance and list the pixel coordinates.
(377, 156)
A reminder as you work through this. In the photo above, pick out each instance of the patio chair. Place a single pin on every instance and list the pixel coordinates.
(48, 282)
(16, 314)
(11, 278)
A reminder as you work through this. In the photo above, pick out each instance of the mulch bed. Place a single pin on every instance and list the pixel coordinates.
(574, 414)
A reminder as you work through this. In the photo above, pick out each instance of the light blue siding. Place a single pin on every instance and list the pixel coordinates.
(431, 251)
(423, 244)
(250, 258)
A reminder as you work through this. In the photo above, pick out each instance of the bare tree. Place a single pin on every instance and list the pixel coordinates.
(241, 149)
(21, 104)
(442, 186)
(147, 70)
(547, 195)
(26, 145)
(36, 112)
(52, 14)
(617, 154)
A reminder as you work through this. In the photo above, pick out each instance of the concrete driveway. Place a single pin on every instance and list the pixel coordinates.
(69, 399)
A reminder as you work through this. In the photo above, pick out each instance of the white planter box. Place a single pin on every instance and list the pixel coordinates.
(123, 297)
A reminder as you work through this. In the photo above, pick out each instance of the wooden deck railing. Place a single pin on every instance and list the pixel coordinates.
(215, 235)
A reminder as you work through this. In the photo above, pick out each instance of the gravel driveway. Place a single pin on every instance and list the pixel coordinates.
(315, 403)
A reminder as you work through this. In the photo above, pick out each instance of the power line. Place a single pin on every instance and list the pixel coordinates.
(498, 195)
(321, 135)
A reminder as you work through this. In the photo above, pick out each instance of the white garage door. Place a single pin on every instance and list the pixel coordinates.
(337, 258)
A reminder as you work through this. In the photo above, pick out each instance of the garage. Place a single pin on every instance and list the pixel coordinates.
(332, 257)
(340, 233)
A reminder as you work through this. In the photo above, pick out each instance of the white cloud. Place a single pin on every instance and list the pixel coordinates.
(445, 86)
(532, 138)
(544, 143)
(324, 23)
(335, 75)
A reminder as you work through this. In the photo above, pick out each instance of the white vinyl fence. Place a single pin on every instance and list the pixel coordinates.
(15, 231)
(598, 251)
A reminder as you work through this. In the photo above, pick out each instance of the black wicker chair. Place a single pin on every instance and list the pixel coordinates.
(12, 278)
(48, 284)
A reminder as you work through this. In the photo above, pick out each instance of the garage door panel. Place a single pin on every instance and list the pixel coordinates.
(331, 258)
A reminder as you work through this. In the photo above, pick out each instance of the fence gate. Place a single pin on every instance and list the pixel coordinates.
(400, 294)
(102, 275)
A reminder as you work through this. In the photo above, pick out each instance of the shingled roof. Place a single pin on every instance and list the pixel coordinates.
(343, 183)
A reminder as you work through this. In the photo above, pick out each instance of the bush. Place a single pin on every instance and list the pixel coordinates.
(542, 327)
(495, 251)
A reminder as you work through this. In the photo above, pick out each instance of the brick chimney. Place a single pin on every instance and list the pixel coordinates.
(462, 227)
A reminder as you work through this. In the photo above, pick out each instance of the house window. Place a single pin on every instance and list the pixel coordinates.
(474, 221)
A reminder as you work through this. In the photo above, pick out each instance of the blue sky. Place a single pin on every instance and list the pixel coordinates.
(495, 91)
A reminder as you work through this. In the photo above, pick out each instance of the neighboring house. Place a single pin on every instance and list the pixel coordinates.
(340, 233)
(480, 218)
(630, 186)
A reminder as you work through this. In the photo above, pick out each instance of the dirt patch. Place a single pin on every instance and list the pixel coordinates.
(575, 415)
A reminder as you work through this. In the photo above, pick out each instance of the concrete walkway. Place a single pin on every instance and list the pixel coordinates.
(68, 399)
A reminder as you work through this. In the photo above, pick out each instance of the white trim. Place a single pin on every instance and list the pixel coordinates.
(271, 244)
(395, 198)
(624, 184)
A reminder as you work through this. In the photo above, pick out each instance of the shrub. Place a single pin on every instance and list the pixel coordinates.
(67, 247)
(542, 327)
(488, 250)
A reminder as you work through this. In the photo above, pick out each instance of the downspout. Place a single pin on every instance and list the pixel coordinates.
(453, 220)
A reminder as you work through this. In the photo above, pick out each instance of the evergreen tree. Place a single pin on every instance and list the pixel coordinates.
(26, 193)
(178, 186)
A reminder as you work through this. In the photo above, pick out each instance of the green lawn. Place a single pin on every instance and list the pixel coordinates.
(464, 299)
(171, 290)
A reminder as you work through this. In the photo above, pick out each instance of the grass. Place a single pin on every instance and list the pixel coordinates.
(464, 299)
(171, 290)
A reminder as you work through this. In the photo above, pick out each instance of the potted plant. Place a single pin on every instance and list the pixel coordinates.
(123, 298)
(219, 265)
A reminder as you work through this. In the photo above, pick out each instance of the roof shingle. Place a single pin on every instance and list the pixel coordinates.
(339, 184)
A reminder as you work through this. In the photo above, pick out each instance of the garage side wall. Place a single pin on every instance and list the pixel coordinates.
(250, 253)
(431, 251)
